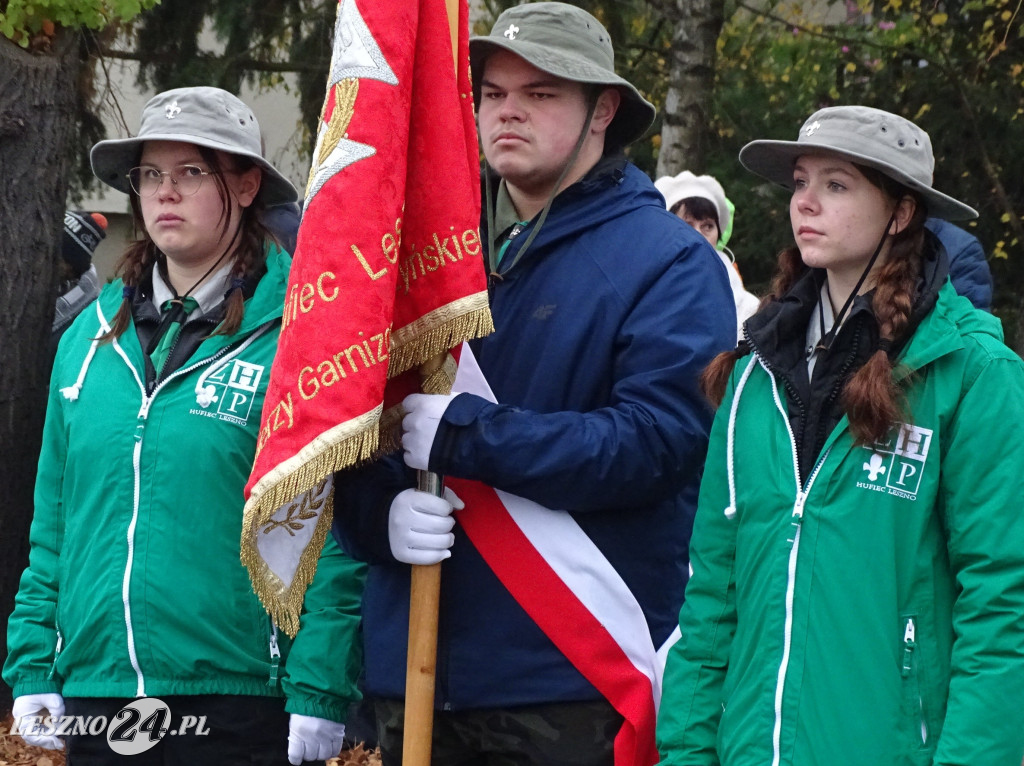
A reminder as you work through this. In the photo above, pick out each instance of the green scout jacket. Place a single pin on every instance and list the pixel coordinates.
(134, 585)
(871, 613)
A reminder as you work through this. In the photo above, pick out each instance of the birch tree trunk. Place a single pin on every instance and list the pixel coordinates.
(37, 112)
(686, 118)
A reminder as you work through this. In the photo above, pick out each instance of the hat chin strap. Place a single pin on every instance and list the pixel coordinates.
(492, 256)
(826, 340)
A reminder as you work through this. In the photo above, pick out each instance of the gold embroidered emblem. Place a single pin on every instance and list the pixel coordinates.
(305, 509)
(344, 107)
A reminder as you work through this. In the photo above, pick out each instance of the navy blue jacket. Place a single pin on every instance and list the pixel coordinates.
(602, 329)
(968, 266)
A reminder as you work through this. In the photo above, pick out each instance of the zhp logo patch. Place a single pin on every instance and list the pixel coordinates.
(229, 392)
(897, 465)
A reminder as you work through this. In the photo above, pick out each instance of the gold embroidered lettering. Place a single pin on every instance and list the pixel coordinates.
(262, 439)
(337, 364)
(455, 242)
(442, 249)
(328, 373)
(431, 260)
(306, 298)
(289, 409)
(369, 353)
(290, 307)
(305, 393)
(471, 242)
(320, 287)
(276, 415)
(389, 245)
(348, 355)
(403, 272)
(379, 337)
(374, 275)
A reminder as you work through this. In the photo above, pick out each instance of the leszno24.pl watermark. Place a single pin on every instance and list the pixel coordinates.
(133, 729)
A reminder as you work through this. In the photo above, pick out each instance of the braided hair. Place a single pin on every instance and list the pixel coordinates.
(871, 399)
(248, 255)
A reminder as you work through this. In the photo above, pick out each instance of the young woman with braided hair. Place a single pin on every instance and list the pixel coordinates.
(857, 588)
(134, 587)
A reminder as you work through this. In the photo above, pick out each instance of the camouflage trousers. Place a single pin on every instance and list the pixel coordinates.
(556, 734)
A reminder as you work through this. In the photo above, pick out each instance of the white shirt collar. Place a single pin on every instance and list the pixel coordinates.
(209, 294)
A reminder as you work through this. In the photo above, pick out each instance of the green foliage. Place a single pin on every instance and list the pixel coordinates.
(955, 68)
(22, 20)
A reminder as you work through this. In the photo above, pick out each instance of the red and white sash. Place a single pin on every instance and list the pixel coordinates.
(568, 587)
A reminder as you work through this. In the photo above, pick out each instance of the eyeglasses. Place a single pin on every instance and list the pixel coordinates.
(185, 179)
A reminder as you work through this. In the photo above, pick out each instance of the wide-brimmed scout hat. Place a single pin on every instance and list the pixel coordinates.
(865, 136)
(567, 42)
(204, 116)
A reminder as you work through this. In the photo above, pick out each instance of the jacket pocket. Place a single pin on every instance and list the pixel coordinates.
(915, 720)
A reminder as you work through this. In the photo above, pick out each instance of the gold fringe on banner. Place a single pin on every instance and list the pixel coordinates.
(439, 331)
(441, 380)
(390, 434)
(300, 481)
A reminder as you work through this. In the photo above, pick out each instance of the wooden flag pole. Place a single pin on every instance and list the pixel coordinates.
(425, 590)
(424, 602)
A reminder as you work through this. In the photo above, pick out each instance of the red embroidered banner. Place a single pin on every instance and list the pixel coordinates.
(387, 274)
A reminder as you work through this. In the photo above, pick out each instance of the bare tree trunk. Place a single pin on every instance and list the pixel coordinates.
(685, 122)
(37, 111)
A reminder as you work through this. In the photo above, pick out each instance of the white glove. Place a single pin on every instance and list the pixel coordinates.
(37, 732)
(420, 526)
(423, 413)
(313, 739)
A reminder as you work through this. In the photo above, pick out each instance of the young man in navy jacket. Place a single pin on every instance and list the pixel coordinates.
(584, 427)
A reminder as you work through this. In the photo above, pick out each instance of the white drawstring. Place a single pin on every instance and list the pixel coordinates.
(71, 392)
(730, 437)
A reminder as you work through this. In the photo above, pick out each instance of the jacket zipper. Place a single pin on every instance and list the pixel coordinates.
(797, 521)
(803, 490)
(56, 653)
(275, 656)
(140, 428)
(907, 671)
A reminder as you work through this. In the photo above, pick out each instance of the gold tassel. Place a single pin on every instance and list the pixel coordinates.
(434, 334)
(390, 438)
(441, 380)
(284, 603)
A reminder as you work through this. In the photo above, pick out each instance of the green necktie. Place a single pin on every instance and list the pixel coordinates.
(176, 311)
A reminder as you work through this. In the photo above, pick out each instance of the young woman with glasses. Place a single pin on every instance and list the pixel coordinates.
(134, 613)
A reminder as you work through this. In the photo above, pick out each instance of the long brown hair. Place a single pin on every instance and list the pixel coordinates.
(871, 399)
(248, 256)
